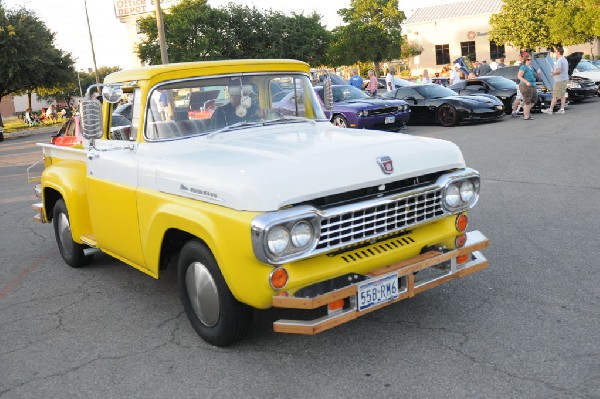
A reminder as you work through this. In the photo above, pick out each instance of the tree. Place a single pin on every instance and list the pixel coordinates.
(574, 21)
(195, 31)
(372, 33)
(28, 59)
(522, 24)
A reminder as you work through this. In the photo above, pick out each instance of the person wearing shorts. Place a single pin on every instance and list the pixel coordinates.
(561, 78)
(527, 86)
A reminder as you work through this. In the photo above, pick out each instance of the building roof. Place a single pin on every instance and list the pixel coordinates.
(455, 10)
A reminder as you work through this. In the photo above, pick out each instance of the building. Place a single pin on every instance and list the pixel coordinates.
(447, 32)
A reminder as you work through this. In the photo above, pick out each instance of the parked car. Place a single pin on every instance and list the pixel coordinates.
(584, 69)
(596, 63)
(433, 103)
(69, 133)
(502, 88)
(398, 82)
(354, 108)
(579, 87)
(544, 92)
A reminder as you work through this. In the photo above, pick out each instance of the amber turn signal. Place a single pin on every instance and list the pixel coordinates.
(462, 259)
(460, 240)
(278, 278)
(335, 305)
(462, 221)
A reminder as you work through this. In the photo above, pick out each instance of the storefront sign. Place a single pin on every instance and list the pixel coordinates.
(124, 8)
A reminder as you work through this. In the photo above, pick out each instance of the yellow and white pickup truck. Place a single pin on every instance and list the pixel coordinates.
(258, 205)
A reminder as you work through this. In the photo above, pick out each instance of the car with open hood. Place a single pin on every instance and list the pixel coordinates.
(579, 86)
(584, 69)
(436, 104)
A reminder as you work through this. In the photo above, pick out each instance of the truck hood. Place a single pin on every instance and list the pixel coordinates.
(266, 168)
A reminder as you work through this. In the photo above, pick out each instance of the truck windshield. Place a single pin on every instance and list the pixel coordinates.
(206, 105)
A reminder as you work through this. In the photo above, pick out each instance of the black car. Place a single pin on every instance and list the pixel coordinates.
(504, 89)
(544, 92)
(433, 103)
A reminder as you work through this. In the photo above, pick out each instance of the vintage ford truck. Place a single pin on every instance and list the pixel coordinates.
(255, 205)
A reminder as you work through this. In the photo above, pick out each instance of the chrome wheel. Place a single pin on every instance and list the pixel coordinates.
(203, 293)
(340, 121)
(64, 233)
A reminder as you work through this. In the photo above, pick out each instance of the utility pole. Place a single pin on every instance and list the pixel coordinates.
(164, 57)
(92, 44)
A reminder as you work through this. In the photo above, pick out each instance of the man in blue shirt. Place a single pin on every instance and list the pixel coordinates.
(355, 80)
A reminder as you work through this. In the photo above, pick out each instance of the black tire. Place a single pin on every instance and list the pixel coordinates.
(508, 107)
(447, 115)
(71, 251)
(1, 136)
(339, 120)
(214, 313)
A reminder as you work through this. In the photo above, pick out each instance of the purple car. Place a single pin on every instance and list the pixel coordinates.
(355, 109)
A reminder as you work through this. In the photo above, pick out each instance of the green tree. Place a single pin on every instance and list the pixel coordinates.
(28, 59)
(195, 31)
(70, 89)
(372, 32)
(522, 24)
(574, 21)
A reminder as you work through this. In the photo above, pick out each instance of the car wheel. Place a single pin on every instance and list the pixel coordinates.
(340, 121)
(509, 106)
(214, 313)
(1, 136)
(72, 252)
(447, 115)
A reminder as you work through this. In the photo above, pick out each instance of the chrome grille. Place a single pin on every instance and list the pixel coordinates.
(365, 223)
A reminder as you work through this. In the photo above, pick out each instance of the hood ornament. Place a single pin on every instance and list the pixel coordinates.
(386, 164)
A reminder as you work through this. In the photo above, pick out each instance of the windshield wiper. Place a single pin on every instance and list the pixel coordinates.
(294, 119)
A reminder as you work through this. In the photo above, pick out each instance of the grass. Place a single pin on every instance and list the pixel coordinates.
(14, 124)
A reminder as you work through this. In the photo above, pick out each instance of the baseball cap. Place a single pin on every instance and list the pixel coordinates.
(457, 65)
(525, 54)
(483, 60)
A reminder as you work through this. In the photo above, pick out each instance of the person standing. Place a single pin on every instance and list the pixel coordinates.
(372, 85)
(455, 75)
(561, 78)
(425, 78)
(355, 80)
(389, 79)
(527, 86)
(493, 65)
(475, 70)
(484, 68)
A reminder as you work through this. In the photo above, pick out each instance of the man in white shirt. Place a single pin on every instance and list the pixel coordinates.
(455, 74)
(389, 79)
(561, 78)
(494, 65)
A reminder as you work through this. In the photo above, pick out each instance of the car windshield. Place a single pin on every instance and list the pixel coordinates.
(500, 83)
(209, 105)
(587, 67)
(347, 93)
(434, 91)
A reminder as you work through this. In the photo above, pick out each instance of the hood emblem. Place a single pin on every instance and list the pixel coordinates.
(386, 164)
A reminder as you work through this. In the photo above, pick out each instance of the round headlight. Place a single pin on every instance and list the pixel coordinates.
(278, 240)
(453, 196)
(467, 191)
(301, 233)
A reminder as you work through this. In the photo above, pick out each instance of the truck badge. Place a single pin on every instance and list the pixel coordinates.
(386, 164)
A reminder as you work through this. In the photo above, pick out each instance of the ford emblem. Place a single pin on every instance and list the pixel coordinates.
(386, 164)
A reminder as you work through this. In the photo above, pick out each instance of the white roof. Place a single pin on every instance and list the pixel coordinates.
(455, 10)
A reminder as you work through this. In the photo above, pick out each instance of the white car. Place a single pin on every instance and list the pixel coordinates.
(586, 69)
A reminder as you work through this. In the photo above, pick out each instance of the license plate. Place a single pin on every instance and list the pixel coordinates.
(376, 291)
(390, 119)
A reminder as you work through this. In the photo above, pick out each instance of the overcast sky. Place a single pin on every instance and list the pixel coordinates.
(67, 20)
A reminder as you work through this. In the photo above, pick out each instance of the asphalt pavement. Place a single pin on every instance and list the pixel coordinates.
(525, 327)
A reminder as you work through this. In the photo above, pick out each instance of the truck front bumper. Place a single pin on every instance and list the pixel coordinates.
(439, 267)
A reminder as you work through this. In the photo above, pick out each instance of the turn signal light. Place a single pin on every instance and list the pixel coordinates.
(462, 259)
(278, 278)
(335, 305)
(462, 221)
(460, 240)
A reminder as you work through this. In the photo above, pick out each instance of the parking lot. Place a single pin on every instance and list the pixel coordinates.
(526, 327)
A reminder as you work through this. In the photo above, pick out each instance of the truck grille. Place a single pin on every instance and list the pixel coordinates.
(360, 224)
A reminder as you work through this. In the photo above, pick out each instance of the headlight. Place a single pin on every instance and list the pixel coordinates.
(362, 113)
(278, 240)
(285, 235)
(302, 233)
(573, 85)
(461, 194)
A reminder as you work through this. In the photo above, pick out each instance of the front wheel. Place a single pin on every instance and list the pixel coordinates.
(71, 251)
(340, 121)
(214, 313)
(447, 115)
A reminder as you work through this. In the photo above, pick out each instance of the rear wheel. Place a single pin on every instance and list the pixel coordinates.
(214, 313)
(71, 251)
(447, 115)
(340, 121)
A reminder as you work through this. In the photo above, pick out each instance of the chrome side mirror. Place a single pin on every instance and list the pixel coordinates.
(91, 119)
(328, 93)
(112, 94)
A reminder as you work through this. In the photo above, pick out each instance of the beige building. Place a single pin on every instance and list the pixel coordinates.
(447, 32)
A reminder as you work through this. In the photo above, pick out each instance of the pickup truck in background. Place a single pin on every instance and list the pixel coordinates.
(256, 208)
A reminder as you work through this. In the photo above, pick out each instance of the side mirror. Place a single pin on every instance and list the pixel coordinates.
(328, 93)
(112, 94)
(91, 119)
(411, 98)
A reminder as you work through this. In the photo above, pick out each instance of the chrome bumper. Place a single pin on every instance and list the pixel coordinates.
(408, 286)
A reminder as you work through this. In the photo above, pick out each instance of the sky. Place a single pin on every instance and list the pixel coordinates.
(67, 20)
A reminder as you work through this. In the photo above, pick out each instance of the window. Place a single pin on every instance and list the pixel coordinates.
(496, 51)
(468, 50)
(442, 54)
